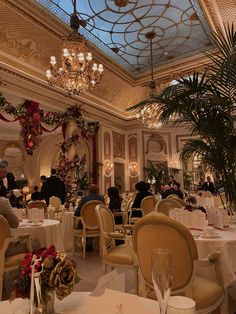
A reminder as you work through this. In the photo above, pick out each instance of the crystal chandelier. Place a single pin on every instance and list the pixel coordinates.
(77, 73)
(149, 115)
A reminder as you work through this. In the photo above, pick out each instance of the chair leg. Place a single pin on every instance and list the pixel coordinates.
(224, 307)
(84, 246)
(105, 268)
(137, 281)
(1, 286)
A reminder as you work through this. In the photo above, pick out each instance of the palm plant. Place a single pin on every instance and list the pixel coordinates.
(205, 105)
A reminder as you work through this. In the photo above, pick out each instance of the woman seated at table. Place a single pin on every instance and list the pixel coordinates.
(115, 203)
(143, 191)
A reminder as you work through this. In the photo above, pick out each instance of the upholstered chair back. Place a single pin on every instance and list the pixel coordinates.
(175, 198)
(38, 204)
(5, 230)
(148, 204)
(88, 214)
(106, 223)
(164, 206)
(55, 202)
(207, 194)
(159, 231)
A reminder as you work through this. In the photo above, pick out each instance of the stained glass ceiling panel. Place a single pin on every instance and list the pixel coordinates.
(119, 32)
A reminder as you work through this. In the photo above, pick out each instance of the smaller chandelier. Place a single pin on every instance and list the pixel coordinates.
(77, 73)
(149, 115)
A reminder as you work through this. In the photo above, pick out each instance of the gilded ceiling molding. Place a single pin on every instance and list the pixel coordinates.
(39, 16)
(212, 14)
(53, 26)
(186, 65)
(28, 87)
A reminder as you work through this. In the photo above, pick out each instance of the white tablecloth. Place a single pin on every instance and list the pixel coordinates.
(113, 302)
(49, 232)
(225, 245)
(67, 231)
(74, 303)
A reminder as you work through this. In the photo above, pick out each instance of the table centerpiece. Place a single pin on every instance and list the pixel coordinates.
(44, 274)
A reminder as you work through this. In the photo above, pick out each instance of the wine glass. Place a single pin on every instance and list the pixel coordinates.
(162, 276)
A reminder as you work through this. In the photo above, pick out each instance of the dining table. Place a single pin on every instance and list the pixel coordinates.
(67, 226)
(224, 244)
(110, 302)
(45, 233)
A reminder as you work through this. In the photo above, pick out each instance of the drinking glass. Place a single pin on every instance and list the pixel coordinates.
(162, 276)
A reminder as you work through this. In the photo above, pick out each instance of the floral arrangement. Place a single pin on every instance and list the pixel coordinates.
(33, 120)
(57, 272)
(30, 120)
(74, 174)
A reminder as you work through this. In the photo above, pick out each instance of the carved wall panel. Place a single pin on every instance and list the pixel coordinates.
(119, 145)
(181, 140)
(157, 146)
(107, 145)
(132, 142)
(133, 181)
(107, 183)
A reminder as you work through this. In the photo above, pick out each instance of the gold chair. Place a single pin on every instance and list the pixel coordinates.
(148, 205)
(159, 231)
(38, 204)
(176, 198)
(55, 202)
(88, 223)
(114, 256)
(164, 206)
(10, 263)
(207, 194)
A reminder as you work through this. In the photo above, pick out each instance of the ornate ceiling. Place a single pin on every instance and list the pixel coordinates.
(30, 34)
(119, 31)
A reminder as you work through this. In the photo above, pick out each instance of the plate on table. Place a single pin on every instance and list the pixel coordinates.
(36, 224)
(210, 236)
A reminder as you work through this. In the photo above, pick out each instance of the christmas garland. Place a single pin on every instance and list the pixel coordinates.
(68, 143)
(74, 174)
(33, 119)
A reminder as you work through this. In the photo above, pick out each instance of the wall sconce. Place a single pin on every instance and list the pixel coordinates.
(133, 169)
(108, 167)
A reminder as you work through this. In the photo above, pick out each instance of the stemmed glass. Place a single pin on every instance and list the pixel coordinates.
(162, 276)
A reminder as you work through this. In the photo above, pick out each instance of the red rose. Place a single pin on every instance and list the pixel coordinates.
(36, 116)
(33, 106)
(30, 144)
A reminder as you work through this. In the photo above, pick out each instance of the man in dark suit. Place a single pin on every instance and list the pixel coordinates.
(55, 187)
(7, 179)
(208, 185)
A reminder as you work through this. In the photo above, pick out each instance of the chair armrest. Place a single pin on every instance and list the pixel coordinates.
(119, 214)
(24, 236)
(135, 209)
(128, 227)
(116, 235)
(211, 260)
